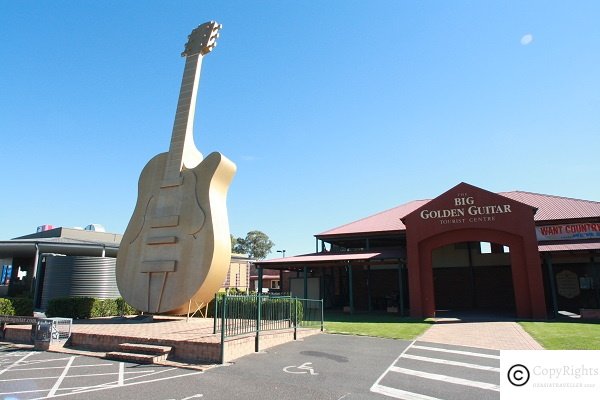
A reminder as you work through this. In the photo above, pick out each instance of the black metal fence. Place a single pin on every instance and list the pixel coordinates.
(251, 314)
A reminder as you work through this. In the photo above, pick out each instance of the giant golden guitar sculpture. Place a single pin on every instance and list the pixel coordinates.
(176, 249)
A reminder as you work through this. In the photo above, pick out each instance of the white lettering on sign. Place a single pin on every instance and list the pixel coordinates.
(466, 207)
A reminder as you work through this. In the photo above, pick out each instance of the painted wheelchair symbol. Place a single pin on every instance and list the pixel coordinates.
(305, 368)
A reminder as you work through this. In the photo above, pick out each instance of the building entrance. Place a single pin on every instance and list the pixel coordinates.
(474, 276)
(467, 214)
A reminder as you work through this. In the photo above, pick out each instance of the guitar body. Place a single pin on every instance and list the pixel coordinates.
(177, 247)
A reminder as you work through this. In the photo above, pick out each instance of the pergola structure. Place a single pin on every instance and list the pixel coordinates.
(342, 260)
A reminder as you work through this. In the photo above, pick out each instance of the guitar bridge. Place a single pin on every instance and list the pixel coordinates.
(158, 266)
(162, 240)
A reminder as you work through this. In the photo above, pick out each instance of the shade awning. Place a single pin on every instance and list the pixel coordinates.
(332, 258)
(544, 248)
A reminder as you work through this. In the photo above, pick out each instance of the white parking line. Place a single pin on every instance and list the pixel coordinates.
(448, 362)
(72, 366)
(76, 376)
(406, 395)
(121, 374)
(466, 353)
(376, 388)
(445, 378)
(16, 362)
(61, 377)
(400, 394)
(107, 386)
(33, 362)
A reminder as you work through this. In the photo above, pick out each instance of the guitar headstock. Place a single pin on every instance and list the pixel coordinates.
(202, 39)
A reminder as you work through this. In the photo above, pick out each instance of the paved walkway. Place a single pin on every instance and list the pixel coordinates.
(498, 335)
(160, 327)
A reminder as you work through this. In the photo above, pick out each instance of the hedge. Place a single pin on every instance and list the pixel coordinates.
(272, 308)
(6, 307)
(16, 306)
(87, 307)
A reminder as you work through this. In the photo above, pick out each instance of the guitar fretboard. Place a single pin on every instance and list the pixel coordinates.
(182, 150)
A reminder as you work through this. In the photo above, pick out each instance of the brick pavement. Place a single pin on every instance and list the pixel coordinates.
(498, 335)
(192, 340)
(162, 328)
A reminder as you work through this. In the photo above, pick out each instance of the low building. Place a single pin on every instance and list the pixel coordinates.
(57, 262)
(89, 254)
(521, 253)
(238, 275)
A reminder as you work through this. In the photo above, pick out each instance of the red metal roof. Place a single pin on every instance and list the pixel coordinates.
(384, 221)
(549, 208)
(556, 207)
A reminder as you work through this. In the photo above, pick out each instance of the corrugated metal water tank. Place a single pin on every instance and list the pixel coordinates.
(79, 276)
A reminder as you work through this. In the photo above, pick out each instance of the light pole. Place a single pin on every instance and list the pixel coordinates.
(281, 270)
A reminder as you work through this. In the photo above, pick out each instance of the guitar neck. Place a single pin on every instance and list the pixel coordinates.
(182, 151)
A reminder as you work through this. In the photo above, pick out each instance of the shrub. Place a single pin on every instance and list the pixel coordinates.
(22, 305)
(104, 308)
(125, 309)
(87, 307)
(16, 306)
(6, 307)
(272, 308)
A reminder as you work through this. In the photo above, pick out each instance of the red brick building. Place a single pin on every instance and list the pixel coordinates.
(526, 254)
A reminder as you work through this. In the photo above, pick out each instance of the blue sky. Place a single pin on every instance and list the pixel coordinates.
(331, 110)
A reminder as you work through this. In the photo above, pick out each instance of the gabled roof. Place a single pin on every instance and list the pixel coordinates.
(549, 208)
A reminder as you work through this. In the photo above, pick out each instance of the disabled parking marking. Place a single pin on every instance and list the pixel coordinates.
(305, 369)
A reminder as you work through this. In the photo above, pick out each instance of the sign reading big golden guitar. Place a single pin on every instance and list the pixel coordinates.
(176, 249)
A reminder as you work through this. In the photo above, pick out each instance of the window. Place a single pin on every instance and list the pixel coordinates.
(275, 284)
(6, 272)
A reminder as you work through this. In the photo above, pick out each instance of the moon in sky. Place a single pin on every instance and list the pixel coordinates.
(527, 39)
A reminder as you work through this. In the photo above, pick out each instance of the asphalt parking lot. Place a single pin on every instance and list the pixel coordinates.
(318, 367)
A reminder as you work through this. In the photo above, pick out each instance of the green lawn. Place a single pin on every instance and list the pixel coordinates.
(378, 325)
(568, 335)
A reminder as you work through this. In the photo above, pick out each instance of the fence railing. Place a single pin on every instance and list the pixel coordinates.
(236, 315)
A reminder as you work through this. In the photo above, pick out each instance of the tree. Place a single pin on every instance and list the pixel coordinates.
(256, 244)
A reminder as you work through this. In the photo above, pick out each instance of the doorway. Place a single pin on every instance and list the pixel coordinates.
(474, 277)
